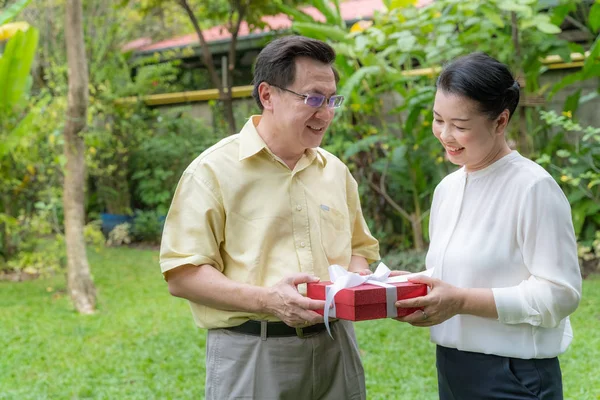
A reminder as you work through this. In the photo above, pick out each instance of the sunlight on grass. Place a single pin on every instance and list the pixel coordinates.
(142, 344)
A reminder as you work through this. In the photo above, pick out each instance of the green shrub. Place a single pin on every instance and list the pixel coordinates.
(411, 260)
(93, 235)
(589, 257)
(573, 159)
(147, 226)
(384, 133)
(38, 250)
(158, 162)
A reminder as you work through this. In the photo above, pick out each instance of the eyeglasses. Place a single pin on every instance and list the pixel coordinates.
(317, 100)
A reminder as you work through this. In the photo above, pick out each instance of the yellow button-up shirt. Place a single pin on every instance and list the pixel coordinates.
(239, 208)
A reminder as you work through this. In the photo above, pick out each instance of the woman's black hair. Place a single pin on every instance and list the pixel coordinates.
(484, 80)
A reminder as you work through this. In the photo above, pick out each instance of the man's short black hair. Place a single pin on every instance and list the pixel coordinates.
(276, 63)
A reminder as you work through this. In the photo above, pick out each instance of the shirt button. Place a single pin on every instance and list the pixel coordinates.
(299, 207)
(302, 244)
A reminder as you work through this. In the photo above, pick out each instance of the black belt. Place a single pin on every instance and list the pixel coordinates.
(266, 329)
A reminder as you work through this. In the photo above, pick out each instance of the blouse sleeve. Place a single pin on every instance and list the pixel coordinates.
(547, 241)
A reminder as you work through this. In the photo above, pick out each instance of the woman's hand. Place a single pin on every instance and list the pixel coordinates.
(441, 303)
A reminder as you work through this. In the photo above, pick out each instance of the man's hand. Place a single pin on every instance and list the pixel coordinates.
(364, 272)
(285, 302)
(398, 273)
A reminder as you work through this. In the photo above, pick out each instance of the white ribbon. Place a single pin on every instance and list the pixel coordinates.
(343, 279)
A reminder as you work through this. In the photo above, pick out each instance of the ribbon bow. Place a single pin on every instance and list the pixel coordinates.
(343, 279)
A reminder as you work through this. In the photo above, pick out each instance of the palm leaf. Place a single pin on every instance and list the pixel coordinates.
(15, 65)
(332, 15)
(11, 11)
(352, 83)
(320, 31)
(298, 15)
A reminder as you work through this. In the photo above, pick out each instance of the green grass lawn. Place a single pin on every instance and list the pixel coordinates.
(142, 344)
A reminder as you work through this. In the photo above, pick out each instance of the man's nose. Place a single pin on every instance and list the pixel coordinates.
(324, 112)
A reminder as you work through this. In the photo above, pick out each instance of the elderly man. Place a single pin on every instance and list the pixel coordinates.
(258, 214)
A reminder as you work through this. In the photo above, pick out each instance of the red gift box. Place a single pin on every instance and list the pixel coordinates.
(366, 301)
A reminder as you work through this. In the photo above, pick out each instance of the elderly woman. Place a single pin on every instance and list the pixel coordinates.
(504, 255)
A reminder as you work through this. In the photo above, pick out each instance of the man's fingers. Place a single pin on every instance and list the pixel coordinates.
(315, 318)
(311, 304)
(398, 273)
(297, 279)
(304, 319)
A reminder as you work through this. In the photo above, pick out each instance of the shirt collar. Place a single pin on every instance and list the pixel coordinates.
(493, 167)
(251, 143)
(318, 154)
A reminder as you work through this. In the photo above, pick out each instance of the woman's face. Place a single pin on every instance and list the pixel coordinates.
(469, 136)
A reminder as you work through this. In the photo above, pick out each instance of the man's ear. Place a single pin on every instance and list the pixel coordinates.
(265, 93)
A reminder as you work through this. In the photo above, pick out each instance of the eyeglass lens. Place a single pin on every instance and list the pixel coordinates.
(317, 101)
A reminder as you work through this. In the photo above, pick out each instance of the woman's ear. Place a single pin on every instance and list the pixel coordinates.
(502, 122)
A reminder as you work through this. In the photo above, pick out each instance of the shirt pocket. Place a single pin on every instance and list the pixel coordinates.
(335, 236)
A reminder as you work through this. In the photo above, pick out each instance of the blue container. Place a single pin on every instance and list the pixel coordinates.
(109, 221)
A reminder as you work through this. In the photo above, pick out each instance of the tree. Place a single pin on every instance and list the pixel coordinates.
(233, 28)
(398, 157)
(231, 14)
(80, 284)
(16, 58)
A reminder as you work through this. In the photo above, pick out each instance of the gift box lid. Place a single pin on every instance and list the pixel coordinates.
(366, 293)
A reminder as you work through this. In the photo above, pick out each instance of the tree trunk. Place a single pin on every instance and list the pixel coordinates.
(413, 218)
(415, 224)
(7, 244)
(524, 146)
(228, 111)
(224, 93)
(234, 29)
(80, 284)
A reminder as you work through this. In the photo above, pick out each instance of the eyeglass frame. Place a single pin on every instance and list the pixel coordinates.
(306, 96)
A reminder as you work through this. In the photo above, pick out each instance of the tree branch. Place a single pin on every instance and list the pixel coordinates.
(235, 30)
(206, 55)
(383, 192)
(578, 24)
(515, 36)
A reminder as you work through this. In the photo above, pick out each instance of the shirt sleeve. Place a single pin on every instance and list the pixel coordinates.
(547, 241)
(194, 226)
(363, 243)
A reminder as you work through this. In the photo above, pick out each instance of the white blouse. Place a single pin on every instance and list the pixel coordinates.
(507, 227)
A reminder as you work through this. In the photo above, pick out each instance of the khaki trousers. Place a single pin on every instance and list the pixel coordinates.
(240, 366)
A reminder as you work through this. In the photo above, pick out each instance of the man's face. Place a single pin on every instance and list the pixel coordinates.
(300, 125)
